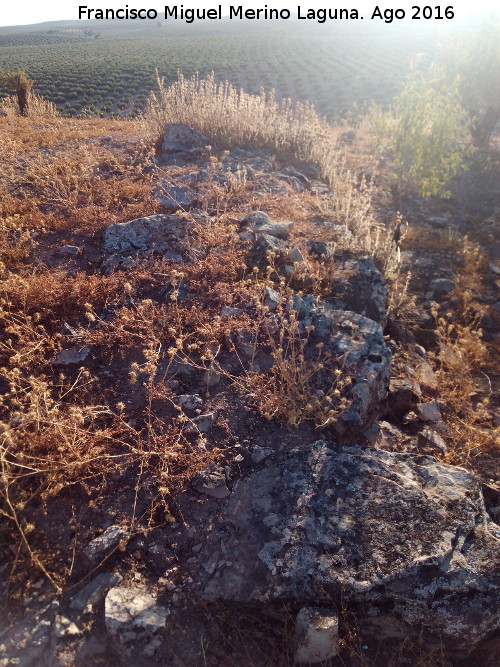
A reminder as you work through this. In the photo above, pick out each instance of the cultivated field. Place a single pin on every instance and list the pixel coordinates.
(110, 70)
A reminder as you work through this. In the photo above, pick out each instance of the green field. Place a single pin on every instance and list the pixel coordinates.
(108, 67)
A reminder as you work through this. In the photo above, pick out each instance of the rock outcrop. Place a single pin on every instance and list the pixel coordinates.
(357, 343)
(404, 543)
(226, 436)
(153, 234)
(181, 143)
(358, 285)
(400, 538)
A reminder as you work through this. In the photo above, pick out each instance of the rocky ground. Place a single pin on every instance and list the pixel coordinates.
(338, 517)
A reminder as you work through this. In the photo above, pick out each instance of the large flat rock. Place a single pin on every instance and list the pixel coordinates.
(393, 535)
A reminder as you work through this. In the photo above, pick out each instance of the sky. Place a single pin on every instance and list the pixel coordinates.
(33, 11)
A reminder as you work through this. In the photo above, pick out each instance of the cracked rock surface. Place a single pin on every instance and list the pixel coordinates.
(387, 532)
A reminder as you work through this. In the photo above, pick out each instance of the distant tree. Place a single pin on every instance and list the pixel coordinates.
(18, 83)
(421, 135)
(474, 57)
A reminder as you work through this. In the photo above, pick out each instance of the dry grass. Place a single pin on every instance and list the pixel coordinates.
(464, 371)
(63, 435)
(63, 182)
(37, 107)
(70, 177)
(232, 117)
(67, 433)
(464, 363)
(245, 636)
(301, 384)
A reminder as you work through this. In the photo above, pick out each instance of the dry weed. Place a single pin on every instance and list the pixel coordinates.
(61, 433)
(63, 180)
(465, 385)
(232, 117)
(463, 365)
(303, 383)
(37, 106)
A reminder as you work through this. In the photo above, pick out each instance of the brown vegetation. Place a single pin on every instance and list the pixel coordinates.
(66, 434)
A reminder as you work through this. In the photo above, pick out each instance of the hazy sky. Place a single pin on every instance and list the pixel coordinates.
(33, 11)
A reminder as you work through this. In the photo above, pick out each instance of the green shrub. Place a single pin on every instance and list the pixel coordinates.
(421, 135)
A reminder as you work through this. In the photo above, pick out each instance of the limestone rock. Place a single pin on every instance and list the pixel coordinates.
(202, 423)
(73, 355)
(212, 484)
(95, 590)
(264, 244)
(280, 230)
(101, 546)
(259, 454)
(320, 188)
(442, 286)
(321, 249)
(227, 312)
(373, 434)
(340, 233)
(299, 183)
(431, 442)
(271, 298)
(392, 439)
(426, 376)
(358, 285)
(377, 530)
(245, 343)
(317, 635)
(257, 219)
(402, 397)
(143, 236)
(340, 237)
(358, 344)
(299, 175)
(180, 138)
(428, 412)
(295, 255)
(132, 613)
(68, 250)
(260, 223)
(175, 197)
(190, 401)
(28, 641)
(65, 627)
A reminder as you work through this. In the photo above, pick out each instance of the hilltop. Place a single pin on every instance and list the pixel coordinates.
(238, 401)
